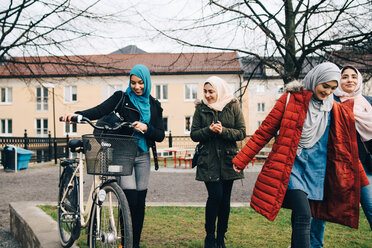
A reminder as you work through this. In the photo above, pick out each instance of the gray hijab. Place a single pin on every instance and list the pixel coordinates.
(317, 115)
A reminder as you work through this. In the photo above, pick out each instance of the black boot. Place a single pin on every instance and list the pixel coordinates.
(139, 217)
(132, 198)
(210, 241)
(221, 240)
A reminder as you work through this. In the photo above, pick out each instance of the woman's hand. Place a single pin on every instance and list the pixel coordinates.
(236, 169)
(216, 127)
(139, 125)
(67, 117)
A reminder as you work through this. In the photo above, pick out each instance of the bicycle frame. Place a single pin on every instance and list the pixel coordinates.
(79, 173)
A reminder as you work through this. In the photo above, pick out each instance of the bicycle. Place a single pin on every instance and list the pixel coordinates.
(107, 213)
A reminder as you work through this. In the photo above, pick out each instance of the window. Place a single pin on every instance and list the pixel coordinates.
(41, 99)
(6, 95)
(165, 124)
(70, 94)
(259, 124)
(261, 107)
(188, 123)
(270, 72)
(6, 127)
(260, 89)
(161, 92)
(191, 92)
(70, 128)
(42, 127)
(280, 89)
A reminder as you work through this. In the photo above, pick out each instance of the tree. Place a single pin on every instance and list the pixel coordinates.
(48, 28)
(280, 34)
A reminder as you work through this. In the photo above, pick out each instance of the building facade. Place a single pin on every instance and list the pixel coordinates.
(37, 91)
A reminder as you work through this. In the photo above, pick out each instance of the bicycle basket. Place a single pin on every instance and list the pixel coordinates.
(110, 155)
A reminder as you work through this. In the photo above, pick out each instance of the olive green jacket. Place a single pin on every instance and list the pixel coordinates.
(217, 151)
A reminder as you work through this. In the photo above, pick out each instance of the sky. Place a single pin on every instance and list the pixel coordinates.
(135, 24)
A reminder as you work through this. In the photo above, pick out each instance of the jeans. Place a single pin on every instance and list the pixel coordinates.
(317, 233)
(366, 199)
(300, 219)
(318, 226)
(139, 179)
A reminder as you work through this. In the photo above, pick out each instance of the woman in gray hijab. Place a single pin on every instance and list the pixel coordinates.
(294, 174)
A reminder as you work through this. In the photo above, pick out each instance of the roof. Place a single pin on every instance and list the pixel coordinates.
(120, 64)
(129, 49)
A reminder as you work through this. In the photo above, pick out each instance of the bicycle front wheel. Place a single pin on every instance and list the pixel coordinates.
(68, 209)
(110, 223)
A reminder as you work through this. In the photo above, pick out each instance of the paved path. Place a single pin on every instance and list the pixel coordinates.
(167, 185)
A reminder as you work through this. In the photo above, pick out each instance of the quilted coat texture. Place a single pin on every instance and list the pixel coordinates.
(344, 175)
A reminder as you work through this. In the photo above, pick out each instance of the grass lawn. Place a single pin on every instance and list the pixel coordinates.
(184, 227)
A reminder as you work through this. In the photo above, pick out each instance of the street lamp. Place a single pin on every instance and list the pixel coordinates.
(52, 86)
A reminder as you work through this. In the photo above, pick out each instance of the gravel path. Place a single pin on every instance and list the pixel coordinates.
(40, 183)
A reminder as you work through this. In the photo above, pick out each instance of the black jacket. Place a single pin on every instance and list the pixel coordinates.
(130, 113)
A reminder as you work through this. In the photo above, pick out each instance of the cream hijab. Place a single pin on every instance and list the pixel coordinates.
(317, 114)
(362, 108)
(224, 93)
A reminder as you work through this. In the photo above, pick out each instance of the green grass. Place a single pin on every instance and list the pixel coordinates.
(184, 227)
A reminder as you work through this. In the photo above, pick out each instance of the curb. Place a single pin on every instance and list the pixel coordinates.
(32, 227)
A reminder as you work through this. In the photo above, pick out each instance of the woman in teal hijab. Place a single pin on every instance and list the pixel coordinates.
(139, 94)
(146, 114)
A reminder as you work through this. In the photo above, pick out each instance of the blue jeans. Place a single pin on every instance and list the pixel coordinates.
(139, 179)
(318, 226)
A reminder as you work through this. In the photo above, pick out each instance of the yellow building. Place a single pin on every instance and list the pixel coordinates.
(35, 90)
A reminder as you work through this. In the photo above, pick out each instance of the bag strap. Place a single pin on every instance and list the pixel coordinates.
(288, 96)
(365, 147)
(121, 99)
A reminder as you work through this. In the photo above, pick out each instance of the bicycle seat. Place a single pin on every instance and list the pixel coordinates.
(75, 144)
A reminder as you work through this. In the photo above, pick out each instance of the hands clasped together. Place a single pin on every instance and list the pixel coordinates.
(217, 128)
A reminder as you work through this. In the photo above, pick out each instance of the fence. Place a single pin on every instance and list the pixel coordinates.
(48, 148)
(44, 148)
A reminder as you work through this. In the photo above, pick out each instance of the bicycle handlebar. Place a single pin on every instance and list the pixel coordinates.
(81, 119)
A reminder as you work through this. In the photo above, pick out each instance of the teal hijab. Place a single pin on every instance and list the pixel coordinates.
(142, 103)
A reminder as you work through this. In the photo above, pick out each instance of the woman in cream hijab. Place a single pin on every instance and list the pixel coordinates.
(218, 123)
(350, 88)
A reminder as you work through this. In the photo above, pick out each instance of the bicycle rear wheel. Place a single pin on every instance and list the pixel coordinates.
(68, 209)
(110, 222)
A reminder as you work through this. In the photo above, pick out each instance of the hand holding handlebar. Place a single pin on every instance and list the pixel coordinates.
(75, 118)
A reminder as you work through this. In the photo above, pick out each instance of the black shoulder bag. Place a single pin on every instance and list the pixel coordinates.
(110, 120)
(368, 159)
(196, 155)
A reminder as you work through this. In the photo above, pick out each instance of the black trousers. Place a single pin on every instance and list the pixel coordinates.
(218, 206)
(300, 219)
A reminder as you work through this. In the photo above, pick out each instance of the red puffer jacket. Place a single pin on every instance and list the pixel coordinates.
(344, 175)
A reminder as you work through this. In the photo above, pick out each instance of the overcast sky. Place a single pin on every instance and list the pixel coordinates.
(134, 30)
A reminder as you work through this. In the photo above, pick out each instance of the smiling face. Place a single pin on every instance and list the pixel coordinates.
(322, 91)
(210, 93)
(137, 85)
(349, 80)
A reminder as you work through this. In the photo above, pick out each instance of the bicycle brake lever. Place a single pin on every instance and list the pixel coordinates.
(139, 130)
(136, 129)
